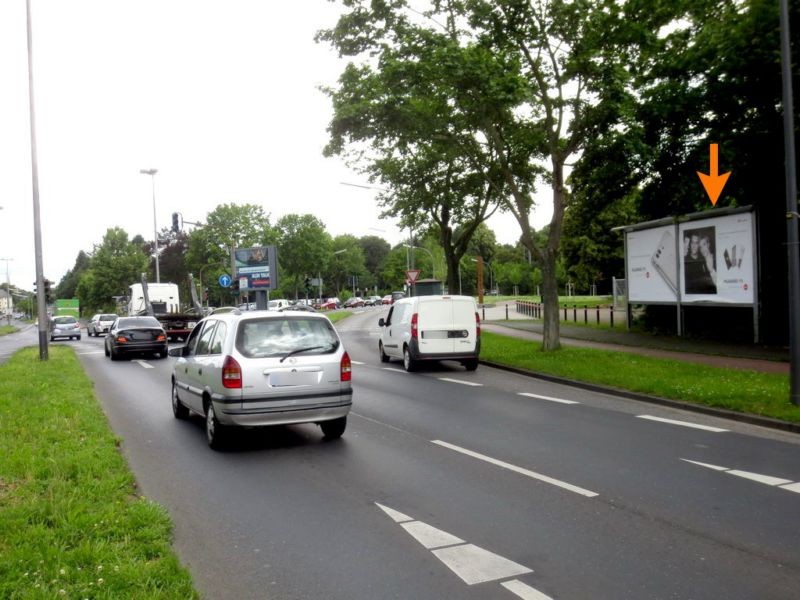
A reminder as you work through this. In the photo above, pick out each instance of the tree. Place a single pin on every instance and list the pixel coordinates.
(69, 282)
(375, 249)
(304, 248)
(346, 261)
(115, 264)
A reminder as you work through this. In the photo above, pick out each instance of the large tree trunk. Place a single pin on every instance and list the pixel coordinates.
(551, 338)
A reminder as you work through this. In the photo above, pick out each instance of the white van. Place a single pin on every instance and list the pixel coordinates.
(431, 328)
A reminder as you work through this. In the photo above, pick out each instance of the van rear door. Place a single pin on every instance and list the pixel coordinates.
(464, 310)
(434, 324)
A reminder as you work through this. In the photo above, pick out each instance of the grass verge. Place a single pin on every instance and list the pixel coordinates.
(337, 316)
(765, 394)
(6, 329)
(71, 523)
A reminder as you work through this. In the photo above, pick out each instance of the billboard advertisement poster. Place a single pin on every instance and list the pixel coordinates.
(652, 265)
(717, 260)
(257, 266)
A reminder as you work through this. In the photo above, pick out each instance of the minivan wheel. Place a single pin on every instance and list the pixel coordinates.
(215, 431)
(409, 364)
(334, 429)
(471, 364)
(384, 356)
(178, 409)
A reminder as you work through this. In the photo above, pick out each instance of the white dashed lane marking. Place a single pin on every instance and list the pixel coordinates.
(144, 363)
(460, 381)
(784, 484)
(355, 362)
(525, 592)
(549, 398)
(682, 423)
(520, 470)
(394, 370)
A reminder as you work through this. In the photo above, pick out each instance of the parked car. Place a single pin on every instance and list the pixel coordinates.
(64, 327)
(354, 302)
(387, 299)
(298, 308)
(262, 368)
(372, 301)
(330, 304)
(100, 323)
(277, 304)
(397, 296)
(136, 335)
(431, 328)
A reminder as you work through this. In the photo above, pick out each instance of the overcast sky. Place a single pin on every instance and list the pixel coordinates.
(219, 95)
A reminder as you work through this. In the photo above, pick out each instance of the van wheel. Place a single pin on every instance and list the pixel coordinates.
(179, 410)
(384, 356)
(409, 364)
(471, 364)
(334, 429)
(216, 433)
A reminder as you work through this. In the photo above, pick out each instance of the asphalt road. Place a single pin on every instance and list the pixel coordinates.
(450, 484)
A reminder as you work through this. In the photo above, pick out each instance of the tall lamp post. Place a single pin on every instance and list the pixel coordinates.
(152, 173)
(433, 263)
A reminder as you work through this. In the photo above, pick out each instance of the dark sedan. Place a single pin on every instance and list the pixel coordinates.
(136, 335)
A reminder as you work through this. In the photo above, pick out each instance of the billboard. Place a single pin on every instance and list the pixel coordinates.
(256, 267)
(706, 258)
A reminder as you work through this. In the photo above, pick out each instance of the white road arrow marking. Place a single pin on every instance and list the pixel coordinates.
(471, 563)
(525, 592)
(516, 469)
(784, 484)
(681, 423)
(398, 517)
(560, 400)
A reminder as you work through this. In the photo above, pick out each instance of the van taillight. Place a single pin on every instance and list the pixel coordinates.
(231, 373)
(414, 330)
(346, 368)
(477, 325)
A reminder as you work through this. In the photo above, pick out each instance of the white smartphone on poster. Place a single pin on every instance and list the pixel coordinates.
(663, 260)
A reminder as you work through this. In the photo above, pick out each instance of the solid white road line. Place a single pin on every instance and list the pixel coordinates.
(144, 364)
(559, 400)
(682, 423)
(461, 382)
(784, 484)
(524, 591)
(520, 470)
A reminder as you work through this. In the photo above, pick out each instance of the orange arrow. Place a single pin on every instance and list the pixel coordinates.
(714, 182)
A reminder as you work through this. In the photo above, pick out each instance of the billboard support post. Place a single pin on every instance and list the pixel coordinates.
(679, 308)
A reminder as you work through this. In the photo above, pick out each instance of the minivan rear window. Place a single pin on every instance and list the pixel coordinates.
(257, 338)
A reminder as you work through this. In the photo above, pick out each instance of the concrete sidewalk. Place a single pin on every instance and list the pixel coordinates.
(744, 357)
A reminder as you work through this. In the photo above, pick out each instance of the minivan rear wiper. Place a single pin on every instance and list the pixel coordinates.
(301, 350)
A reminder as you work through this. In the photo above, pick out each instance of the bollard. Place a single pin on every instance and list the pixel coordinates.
(506, 312)
(565, 313)
(598, 314)
(585, 314)
(574, 313)
(484, 312)
(611, 311)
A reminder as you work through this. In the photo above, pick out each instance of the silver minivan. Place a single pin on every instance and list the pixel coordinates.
(262, 368)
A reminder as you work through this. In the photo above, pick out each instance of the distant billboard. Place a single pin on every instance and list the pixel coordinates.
(705, 258)
(256, 267)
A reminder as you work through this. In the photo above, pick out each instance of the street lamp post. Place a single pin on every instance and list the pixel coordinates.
(433, 263)
(152, 173)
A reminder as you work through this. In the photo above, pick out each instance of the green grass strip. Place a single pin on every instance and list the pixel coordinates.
(765, 394)
(71, 523)
(6, 329)
(337, 316)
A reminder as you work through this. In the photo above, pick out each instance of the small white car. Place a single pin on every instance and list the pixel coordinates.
(100, 323)
(257, 368)
(431, 328)
(65, 327)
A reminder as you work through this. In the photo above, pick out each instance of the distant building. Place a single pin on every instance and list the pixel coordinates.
(6, 302)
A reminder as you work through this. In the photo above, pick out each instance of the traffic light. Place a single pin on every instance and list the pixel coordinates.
(48, 291)
(307, 283)
(175, 224)
(234, 287)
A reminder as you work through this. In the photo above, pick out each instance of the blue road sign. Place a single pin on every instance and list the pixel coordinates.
(225, 280)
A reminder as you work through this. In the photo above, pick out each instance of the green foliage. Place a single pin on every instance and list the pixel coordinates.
(304, 248)
(346, 261)
(68, 285)
(115, 264)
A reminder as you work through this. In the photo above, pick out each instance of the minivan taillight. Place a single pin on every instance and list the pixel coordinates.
(414, 329)
(346, 368)
(231, 373)
(477, 325)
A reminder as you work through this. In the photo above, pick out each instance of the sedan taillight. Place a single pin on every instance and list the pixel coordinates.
(346, 368)
(231, 373)
(161, 338)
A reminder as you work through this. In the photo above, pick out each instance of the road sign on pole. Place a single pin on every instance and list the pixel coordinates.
(412, 275)
(225, 280)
